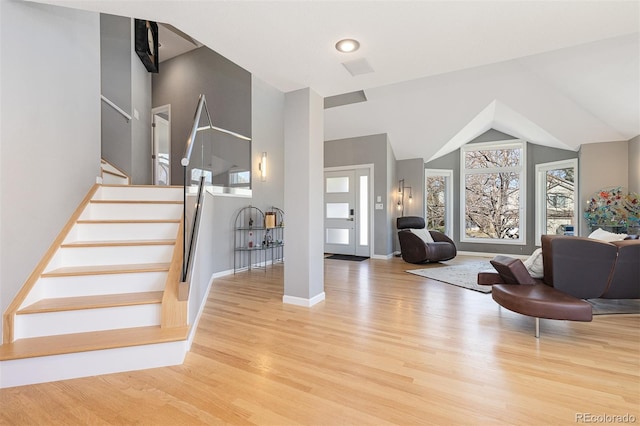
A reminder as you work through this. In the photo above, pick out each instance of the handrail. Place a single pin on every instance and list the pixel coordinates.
(116, 107)
(195, 128)
(202, 103)
(187, 255)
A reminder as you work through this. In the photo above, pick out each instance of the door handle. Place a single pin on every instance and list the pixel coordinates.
(350, 219)
(352, 212)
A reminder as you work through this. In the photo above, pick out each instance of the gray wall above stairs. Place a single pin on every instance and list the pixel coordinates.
(182, 79)
(126, 82)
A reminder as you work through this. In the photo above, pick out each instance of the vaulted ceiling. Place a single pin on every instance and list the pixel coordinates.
(559, 73)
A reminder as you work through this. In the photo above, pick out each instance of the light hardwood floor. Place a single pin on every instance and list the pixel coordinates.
(386, 347)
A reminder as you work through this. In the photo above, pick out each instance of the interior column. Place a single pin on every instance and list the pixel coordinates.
(303, 198)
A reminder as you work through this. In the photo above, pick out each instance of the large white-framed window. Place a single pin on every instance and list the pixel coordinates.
(439, 200)
(557, 198)
(493, 192)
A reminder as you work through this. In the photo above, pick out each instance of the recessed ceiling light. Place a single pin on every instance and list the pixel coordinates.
(347, 45)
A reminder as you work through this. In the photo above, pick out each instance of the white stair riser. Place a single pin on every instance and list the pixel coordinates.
(119, 255)
(146, 193)
(122, 231)
(93, 285)
(128, 211)
(109, 167)
(86, 320)
(28, 371)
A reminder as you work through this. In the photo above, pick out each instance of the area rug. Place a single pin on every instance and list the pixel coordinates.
(463, 275)
(346, 257)
(615, 306)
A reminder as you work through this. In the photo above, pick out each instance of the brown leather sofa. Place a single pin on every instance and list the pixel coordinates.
(415, 250)
(575, 268)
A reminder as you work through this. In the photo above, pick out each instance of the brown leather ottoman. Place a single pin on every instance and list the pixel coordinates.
(541, 301)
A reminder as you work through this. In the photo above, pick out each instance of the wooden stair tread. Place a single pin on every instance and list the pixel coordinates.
(135, 202)
(130, 221)
(161, 187)
(107, 269)
(92, 302)
(92, 341)
(117, 243)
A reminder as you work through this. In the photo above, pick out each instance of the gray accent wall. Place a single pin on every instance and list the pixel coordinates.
(180, 82)
(126, 82)
(412, 171)
(115, 63)
(536, 154)
(376, 150)
(141, 122)
(48, 168)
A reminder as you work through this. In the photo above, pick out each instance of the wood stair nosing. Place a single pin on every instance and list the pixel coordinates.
(132, 221)
(118, 243)
(92, 302)
(106, 269)
(90, 341)
(114, 201)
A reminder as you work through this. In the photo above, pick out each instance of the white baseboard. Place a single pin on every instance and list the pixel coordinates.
(194, 326)
(300, 301)
(219, 275)
(382, 256)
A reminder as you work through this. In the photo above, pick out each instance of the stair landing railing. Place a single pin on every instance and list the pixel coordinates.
(201, 173)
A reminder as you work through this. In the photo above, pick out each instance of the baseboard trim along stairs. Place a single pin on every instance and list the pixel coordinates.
(101, 300)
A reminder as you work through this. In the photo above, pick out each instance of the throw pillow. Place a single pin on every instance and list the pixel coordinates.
(602, 235)
(534, 264)
(423, 234)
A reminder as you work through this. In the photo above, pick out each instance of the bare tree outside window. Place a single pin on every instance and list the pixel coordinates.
(492, 180)
(435, 203)
(560, 205)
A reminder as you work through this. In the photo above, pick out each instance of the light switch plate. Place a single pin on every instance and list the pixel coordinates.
(379, 206)
(379, 198)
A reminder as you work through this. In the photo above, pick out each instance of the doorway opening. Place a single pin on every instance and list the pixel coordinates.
(161, 145)
(347, 211)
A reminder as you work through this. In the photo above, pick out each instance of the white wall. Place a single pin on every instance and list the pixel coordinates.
(50, 133)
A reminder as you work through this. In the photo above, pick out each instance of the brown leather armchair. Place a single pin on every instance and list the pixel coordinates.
(575, 268)
(415, 250)
(625, 282)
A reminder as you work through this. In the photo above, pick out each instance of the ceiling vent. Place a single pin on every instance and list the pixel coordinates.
(358, 67)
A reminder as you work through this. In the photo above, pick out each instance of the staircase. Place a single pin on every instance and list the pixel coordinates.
(96, 302)
(111, 175)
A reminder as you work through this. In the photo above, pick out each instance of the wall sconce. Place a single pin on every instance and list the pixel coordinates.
(401, 190)
(262, 166)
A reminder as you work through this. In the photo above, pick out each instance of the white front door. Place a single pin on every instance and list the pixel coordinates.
(161, 160)
(347, 213)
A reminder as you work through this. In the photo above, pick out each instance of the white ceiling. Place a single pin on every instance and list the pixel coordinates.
(560, 73)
